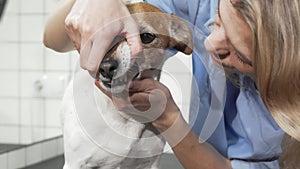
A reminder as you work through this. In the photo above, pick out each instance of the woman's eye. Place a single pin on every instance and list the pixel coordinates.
(239, 57)
(147, 37)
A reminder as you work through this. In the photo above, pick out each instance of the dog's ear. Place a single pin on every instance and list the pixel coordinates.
(180, 35)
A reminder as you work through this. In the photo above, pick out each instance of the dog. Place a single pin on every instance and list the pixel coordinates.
(159, 32)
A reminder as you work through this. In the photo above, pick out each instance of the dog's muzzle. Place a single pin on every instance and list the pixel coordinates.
(118, 68)
(112, 79)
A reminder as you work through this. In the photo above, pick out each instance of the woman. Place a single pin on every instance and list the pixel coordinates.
(264, 42)
(246, 42)
(259, 40)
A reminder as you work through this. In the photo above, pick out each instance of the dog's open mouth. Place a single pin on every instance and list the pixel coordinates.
(117, 82)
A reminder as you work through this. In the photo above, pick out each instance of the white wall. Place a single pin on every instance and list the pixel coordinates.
(26, 114)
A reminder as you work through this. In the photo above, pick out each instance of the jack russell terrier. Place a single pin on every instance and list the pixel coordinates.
(158, 32)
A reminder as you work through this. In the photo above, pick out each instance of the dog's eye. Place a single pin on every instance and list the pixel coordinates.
(147, 37)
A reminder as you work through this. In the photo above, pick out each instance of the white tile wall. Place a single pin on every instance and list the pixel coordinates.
(9, 28)
(16, 159)
(51, 132)
(31, 56)
(9, 84)
(37, 84)
(24, 60)
(3, 161)
(9, 111)
(12, 7)
(60, 145)
(52, 59)
(28, 80)
(9, 51)
(31, 154)
(34, 154)
(32, 27)
(31, 6)
(26, 135)
(9, 134)
(51, 5)
(49, 149)
(32, 134)
(32, 112)
(38, 133)
(54, 84)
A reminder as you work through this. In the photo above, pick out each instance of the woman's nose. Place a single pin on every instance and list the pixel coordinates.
(216, 40)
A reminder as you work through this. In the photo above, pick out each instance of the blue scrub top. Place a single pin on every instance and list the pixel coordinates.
(246, 132)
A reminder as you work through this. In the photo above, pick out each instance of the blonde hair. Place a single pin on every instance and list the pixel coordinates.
(289, 157)
(275, 26)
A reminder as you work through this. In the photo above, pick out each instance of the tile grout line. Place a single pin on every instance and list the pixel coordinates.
(19, 84)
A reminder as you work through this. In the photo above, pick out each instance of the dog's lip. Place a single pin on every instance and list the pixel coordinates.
(106, 84)
(116, 83)
(105, 81)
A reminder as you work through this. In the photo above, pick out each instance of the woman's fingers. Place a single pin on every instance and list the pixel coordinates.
(92, 25)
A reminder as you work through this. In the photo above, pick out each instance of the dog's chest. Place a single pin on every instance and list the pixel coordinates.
(114, 118)
(84, 152)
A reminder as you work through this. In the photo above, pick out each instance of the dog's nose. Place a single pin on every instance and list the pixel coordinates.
(108, 68)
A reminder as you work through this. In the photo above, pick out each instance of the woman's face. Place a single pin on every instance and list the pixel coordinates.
(230, 40)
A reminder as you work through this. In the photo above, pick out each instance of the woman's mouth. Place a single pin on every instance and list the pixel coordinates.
(215, 58)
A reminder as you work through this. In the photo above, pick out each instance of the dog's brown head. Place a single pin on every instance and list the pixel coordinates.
(158, 32)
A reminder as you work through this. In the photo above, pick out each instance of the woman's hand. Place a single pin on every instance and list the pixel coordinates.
(93, 24)
(154, 100)
(147, 100)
